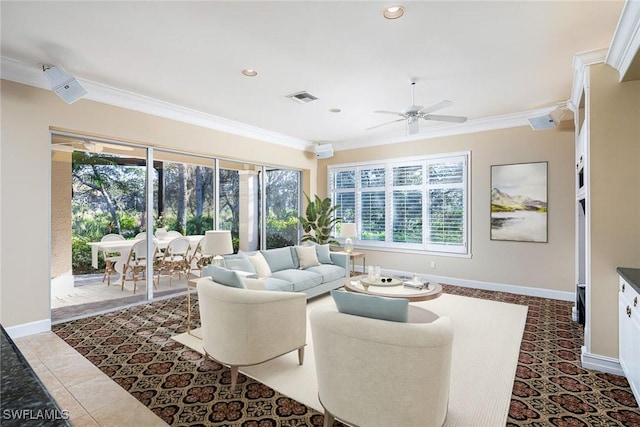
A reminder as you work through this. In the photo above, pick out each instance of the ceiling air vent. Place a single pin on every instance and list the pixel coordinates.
(302, 97)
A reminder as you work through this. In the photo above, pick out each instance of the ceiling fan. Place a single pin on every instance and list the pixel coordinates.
(415, 112)
(71, 144)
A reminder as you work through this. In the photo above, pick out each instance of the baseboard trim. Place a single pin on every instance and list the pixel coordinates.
(489, 286)
(30, 328)
(601, 363)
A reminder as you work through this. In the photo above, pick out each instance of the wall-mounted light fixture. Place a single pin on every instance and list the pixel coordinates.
(64, 85)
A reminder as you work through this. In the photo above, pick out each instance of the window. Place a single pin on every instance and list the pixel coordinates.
(418, 203)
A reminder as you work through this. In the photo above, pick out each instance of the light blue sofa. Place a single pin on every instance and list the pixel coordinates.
(286, 274)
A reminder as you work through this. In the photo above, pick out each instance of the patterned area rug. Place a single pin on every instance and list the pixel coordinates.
(134, 348)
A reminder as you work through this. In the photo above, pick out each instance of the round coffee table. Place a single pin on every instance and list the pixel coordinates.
(393, 289)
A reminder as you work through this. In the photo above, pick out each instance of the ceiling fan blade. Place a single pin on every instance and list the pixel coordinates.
(435, 107)
(452, 119)
(384, 124)
(395, 113)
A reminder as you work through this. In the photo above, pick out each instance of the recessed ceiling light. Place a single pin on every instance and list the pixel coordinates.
(249, 72)
(335, 110)
(393, 12)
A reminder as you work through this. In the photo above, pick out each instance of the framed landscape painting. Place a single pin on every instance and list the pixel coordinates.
(519, 202)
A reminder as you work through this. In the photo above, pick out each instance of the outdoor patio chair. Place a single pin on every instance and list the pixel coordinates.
(141, 235)
(172, 234)
(174, 259)
(197, 259)
(110, 258)
(135, 267)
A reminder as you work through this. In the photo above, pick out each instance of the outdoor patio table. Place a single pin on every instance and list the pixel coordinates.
(123, 246)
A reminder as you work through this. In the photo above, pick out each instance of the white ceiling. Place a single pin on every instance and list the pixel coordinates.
(490, 58)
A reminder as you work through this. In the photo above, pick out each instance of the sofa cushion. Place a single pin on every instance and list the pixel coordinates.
(329, 272)
(278, 258)
(307, 256)
(301, 279)
(240, 263)
(274, 284)
(260, 264)
(224, 276)
(375, 307)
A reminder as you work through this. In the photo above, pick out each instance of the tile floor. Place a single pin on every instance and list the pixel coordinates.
(90, 397)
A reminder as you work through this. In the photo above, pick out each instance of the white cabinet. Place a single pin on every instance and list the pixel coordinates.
(629, 330)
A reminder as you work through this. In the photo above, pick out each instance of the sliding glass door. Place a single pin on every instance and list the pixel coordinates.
(105, 201)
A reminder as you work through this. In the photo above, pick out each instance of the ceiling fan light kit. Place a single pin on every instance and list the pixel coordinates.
(414, 113)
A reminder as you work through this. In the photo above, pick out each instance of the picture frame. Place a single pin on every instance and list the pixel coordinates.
(519, 202)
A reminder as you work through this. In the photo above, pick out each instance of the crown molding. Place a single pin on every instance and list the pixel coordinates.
(581, 61)
(504, 121)
(31, 75)
(626, 39)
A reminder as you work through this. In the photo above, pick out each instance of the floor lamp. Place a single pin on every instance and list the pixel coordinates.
(216, 244)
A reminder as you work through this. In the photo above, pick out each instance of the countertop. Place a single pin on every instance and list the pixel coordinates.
(631, 276)
(25, 402)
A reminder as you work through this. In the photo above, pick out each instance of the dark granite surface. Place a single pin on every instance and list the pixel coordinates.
(631, 275)
(23, 399)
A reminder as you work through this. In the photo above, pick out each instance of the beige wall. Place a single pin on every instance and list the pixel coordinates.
(25, 169)
(547, 266)
(614, 197)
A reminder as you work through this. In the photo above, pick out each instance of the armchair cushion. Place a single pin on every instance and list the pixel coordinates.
(393, 309)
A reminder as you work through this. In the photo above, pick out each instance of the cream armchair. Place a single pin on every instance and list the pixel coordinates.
(380, 373)
(242, 327)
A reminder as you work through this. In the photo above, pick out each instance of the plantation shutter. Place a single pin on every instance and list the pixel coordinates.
(372, 203)
(406, 196)
(446, 204)
(343, 190)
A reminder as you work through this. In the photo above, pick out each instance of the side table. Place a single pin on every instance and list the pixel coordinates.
(353, 256)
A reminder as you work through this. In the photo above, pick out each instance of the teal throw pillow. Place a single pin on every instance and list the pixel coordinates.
(239, 263)
(323, 252)
(226, 277)
(278, 259)
(393, 309)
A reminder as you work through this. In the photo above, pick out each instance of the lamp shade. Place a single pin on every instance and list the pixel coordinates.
(217, 242)
(348, 230)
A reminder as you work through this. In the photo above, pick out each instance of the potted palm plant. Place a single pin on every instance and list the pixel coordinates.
(319, 221)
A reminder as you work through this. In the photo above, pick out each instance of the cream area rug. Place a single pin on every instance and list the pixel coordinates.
(487, 336)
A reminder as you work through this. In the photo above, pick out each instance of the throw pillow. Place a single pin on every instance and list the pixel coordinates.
(226, 277)
(260, 264)
(240, 263)
(307, 256)
(323, 253)
(278, 258)
(393, 309)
